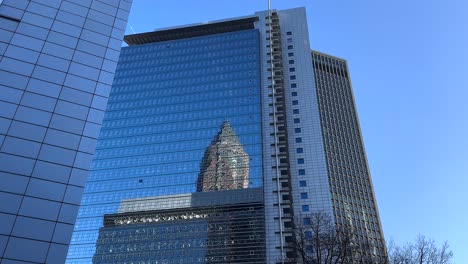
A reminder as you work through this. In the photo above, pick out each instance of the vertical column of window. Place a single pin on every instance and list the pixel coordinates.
(280, 137)
(301, 172)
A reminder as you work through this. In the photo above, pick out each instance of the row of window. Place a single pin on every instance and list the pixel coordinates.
(164, 142)
(179, 105)
(189, 64)
(234, 94)
(227, 112)
(143, 178)
(173, 87)
(177, 125)
(149, 134)
(157, 52)
(181, 70)
(249, 51)
(165, 169)
(173, 80)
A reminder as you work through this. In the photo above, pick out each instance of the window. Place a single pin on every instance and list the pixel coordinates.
(290, 54)
(289, 40)
(298, 140)
(295, 111)
(300, 161)
(304, 195)
(297, 120)
(295, 102)
(299, 150)
(308, 234)
(305, 208)
(302, 183)
(291, 61)
(306, 220)
(289, 33)
(294, 93)
(301, 172)
(297, 130)
(292, 77)
(290, 47)
(293, 85)
(292, 69)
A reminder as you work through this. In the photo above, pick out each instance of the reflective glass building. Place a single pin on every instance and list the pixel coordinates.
(224, 107)
(57, 62)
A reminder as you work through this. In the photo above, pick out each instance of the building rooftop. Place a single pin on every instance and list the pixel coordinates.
(191, 31)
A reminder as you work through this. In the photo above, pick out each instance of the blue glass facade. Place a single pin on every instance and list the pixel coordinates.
(167, 103)
(57, 62)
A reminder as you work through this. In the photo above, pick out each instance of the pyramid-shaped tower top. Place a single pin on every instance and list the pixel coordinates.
(226, 135)
(225, 164)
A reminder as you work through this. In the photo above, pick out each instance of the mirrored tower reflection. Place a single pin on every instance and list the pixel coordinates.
(225, 164)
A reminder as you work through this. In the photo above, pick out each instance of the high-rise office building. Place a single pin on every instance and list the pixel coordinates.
(353, 197)
(57, 62)
(289, 127)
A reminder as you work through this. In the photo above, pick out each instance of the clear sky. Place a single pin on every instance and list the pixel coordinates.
(408, 62)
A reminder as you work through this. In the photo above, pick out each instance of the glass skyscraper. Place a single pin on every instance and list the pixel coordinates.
(224, 112)
(57, 62)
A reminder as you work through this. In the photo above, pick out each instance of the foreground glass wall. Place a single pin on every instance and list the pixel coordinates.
(181, 113)
(57, 62)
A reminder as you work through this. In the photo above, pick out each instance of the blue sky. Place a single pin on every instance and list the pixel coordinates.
(408, 63)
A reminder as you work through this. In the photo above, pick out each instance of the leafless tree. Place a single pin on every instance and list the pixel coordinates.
(422, 251)
(320, 241)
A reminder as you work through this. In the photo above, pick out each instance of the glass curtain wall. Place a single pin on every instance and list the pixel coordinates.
(169, 102)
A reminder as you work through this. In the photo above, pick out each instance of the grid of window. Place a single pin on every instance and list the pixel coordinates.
(167, 104)
(225, 233)
(57, 61)
(349, 176)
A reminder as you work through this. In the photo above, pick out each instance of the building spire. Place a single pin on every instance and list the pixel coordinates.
(225, 164)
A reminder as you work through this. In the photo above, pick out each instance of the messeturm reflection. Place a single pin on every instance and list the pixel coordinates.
(223, 222)
(225, 165)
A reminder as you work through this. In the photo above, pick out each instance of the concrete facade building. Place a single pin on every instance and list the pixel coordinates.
(57, 63)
